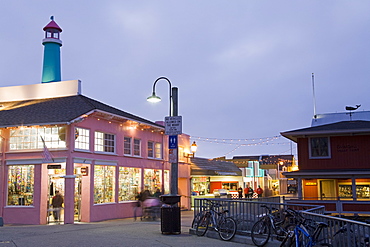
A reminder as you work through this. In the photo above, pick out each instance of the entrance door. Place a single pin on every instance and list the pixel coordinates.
(56, 183)
(327, 189)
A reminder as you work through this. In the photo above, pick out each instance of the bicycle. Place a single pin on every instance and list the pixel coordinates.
(304, 234)
(224, 225)
(268, 224)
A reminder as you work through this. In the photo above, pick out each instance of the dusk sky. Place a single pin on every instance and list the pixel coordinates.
(243, 67)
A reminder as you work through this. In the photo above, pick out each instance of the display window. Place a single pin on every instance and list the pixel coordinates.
(166, 182)
(20, 185)
(129, 183)
(104, 184)
(152, 179)
(362, 191)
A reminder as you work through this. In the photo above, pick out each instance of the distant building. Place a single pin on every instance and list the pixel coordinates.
(334, 160)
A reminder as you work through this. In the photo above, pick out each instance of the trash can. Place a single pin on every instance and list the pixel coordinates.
(170, 214)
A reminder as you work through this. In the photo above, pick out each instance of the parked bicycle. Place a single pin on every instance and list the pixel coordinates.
(269, 225)
(224, 225)
(306, 233)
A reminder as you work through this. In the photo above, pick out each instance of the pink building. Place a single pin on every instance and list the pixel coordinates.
(99, 157)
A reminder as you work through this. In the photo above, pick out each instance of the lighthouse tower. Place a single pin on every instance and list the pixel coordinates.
(51, 69)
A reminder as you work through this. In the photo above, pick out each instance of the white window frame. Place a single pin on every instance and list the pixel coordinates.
(129, 149)
(158, 150)
(82, 141)
(137, 147)
(150, 149)
(102, 142)
(311, 149)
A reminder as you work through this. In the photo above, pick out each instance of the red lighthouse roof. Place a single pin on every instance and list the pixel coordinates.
(52, 24)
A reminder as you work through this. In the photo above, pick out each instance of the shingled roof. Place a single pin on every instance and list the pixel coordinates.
(339, 128)
(60, 110)
(201, 166)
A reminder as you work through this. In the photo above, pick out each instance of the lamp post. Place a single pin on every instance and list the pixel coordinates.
(170, 216)
(173, 97)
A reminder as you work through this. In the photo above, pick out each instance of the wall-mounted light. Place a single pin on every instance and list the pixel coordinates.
(193, 149)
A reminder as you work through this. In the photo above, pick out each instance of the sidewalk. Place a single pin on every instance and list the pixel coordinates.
(119, 232)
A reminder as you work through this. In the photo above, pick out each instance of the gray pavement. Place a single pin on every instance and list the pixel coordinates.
(119, 232)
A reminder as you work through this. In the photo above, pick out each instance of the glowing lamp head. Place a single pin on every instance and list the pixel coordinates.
(193, 147)
(154, 98)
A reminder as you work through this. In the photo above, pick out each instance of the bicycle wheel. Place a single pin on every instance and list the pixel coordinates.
(196, 219)
(202, 225)
(260, 233)
(227, 229)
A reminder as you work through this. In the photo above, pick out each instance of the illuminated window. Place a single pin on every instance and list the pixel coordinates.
(129, 183)
(319, 147)
(104, 184)
(137, 147)
(151, 149)
(104, 142)
(30, 138)
(82, 140)
(153, 179)
(127, 145)
(20, 185)
(158, 150)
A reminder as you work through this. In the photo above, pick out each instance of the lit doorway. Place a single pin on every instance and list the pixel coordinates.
(55, 184)
(77, 199)
(327, 190)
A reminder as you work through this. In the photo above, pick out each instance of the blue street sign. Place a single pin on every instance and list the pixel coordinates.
(172, 142)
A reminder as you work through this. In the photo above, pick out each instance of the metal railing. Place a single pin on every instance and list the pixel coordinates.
(340, 232)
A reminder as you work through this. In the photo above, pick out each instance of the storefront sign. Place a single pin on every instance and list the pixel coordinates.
(54, 166)
(311, 184)
(84, 171)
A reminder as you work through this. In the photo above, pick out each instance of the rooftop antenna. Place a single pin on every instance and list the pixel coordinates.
(314, 97)
(350, 109)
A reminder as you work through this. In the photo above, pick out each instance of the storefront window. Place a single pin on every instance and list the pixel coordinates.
(129, 183)
(104, 184)
(20, 185)
(166, 181)
(30, 138)
(153, 179)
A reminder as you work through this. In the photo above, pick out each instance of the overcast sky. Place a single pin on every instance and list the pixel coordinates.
(243, 67)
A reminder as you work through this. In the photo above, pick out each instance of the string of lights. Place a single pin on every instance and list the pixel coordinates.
(245, 142)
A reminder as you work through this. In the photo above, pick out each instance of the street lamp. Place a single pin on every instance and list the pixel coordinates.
(173, 96)
(170, 216)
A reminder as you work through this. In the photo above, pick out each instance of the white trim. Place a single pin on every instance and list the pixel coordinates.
(82, 160)
(106, 162)
(33, 161)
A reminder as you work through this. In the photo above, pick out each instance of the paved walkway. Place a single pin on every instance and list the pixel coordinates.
(120, 232)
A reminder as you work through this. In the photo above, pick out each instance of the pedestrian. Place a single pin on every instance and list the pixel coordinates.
(157, 193)
(240, 192)
(246, 192)
(250, 191)
(57, 203)
(259, 191)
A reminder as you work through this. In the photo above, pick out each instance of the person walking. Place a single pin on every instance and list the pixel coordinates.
(240, 192)
(57, 203)
(259, 191)
(246, 192)
(250, 192)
